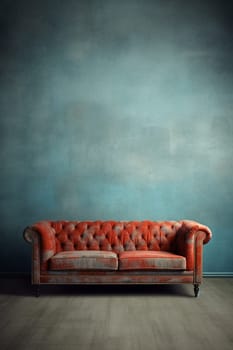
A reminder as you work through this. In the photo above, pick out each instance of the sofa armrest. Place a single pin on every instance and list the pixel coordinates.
(46, 237)
(189, 242)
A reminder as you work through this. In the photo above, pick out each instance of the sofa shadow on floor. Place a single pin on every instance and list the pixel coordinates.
(22, 286)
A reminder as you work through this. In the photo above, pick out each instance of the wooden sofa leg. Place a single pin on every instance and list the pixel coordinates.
(196, 289)
(37, 290)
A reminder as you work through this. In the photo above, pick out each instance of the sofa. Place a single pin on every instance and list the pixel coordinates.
(117, 252)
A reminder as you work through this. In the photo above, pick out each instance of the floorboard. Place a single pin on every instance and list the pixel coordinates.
(116, 317)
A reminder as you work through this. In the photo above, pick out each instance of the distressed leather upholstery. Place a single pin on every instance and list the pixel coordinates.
(147, 260)
(117, 251)
(84, 260)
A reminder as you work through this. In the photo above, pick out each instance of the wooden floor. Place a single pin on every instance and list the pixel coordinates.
(117, 317)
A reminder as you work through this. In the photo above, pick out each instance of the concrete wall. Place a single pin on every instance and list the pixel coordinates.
(116, 110)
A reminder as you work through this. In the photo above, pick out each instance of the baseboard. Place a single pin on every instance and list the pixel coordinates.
(217, 274)
(14, 274)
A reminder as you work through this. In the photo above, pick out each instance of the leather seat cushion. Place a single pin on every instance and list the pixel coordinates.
(146, 260)
(84, 260)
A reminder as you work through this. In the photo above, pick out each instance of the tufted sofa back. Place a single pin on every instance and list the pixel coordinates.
(115, 236)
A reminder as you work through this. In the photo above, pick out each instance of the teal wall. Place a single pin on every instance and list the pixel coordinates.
(116, 110)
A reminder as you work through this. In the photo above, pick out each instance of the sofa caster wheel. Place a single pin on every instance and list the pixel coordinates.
(37, 290)
(196, 290)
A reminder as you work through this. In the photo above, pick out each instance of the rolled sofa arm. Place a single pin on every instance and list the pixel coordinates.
(191, 227)
(190, 239)
(46, 237)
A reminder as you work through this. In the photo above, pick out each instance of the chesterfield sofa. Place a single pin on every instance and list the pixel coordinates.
(117, 252)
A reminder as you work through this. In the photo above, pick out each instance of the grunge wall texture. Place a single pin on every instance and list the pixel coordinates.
(116, 110)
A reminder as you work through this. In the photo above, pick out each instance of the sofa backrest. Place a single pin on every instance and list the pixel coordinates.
(115, 236)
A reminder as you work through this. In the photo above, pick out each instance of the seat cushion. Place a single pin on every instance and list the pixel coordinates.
(84, 260)
(146, 260)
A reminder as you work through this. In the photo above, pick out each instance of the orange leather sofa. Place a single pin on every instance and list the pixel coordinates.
(117, 252)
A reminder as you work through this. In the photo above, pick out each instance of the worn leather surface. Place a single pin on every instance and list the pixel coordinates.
(84, 260)
(115, 236)
(184, 238)
(144, 260)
